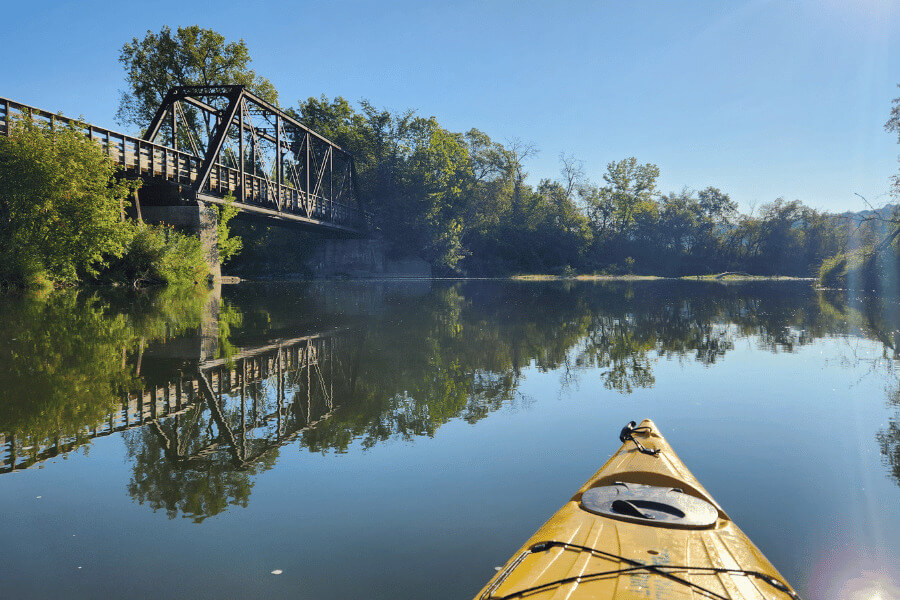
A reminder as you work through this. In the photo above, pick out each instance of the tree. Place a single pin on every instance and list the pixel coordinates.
(599, 208)
(190, 56)
(680, 222)
(490, 192)
(893, 125)
(630, 188)
(517, 152)
(717, 205)
(60, 205)
(434, 177)
(572, 171)
(560, 232)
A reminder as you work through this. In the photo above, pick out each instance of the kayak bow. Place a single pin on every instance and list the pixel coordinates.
(641, 527)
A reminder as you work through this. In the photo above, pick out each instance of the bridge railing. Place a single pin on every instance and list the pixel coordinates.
(147, 159)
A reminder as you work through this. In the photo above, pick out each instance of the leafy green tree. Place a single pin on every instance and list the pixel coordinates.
(490, 193)
(681, 216)
(463, 202)
(717, 206)
(600, 209)
(61, 207)
(189, 56)
(560, 231)
(335, 119)
(630, 188)
(417, 174)
(431, 203)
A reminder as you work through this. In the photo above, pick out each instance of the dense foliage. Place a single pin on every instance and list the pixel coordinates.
(60, 206)
(229, 245)
(62, 217)
(189, 56)
(462, 201)
(159, 254)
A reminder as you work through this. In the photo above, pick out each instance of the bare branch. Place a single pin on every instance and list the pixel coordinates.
(572, 171)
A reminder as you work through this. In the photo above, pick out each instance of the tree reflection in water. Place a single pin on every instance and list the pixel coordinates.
(180, 466)
(69, 358)
(327, 366)
(877, 319)
(889, 440)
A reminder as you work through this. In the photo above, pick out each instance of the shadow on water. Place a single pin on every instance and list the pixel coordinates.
(208, 388)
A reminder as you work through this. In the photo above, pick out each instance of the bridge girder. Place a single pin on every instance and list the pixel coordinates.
(310, 177)
(290, 173)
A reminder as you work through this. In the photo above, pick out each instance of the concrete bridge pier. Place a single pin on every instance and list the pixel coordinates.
(198, 218)
(363, 258)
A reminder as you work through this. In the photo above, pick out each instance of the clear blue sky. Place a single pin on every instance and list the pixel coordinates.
(761, 99)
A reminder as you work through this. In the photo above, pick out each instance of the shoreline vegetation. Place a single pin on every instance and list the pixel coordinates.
(716, 278)
(63, 218)
(458, 200)
(720, 277)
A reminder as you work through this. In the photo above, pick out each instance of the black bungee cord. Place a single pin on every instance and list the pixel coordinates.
(635, 566)
(627, 434)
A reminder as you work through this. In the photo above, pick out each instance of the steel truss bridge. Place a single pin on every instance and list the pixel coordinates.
(259, 400)
(216, 142)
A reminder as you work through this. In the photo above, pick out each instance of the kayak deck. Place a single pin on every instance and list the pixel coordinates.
(628, 533)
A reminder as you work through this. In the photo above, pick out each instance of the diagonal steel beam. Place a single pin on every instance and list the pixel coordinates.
(223, 124)
(322, 169)
(157, 120)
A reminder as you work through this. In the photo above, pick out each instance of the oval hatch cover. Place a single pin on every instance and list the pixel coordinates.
(650, 505)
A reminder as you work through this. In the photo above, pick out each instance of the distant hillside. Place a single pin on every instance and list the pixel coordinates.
(861, 215)
(879, 220)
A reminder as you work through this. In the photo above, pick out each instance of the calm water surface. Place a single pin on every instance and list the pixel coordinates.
(399, 440)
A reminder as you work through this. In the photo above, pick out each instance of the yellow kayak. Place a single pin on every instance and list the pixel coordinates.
(641, 527)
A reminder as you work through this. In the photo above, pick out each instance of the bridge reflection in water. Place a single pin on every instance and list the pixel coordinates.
(258, 400)
(199, 429)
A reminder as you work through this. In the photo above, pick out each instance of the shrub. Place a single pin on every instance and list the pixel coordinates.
(228, 245)
(60, 205)
(863, 268)
(833, 270)
(160, 254)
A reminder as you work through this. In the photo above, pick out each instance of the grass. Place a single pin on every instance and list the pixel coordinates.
(729, 276)
(539, 277)
(717, 277)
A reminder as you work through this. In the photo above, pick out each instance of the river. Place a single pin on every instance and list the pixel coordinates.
(394, 440)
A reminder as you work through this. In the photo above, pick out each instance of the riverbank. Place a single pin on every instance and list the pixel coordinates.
(720, 277)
